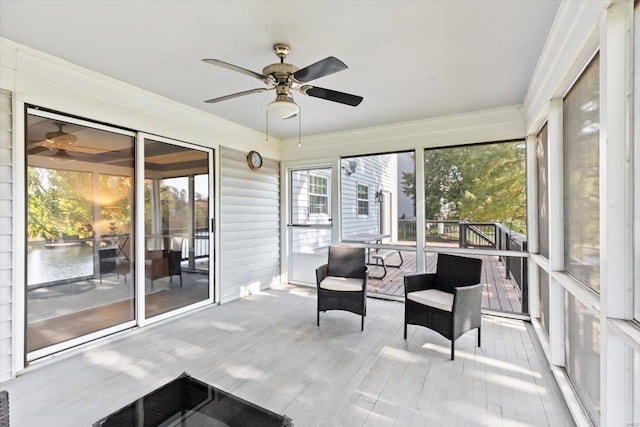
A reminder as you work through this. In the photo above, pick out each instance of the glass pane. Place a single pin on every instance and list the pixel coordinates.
(543, 191)
(176, 226)
(582, 348)
(79, 230)
(310, 203)
(581, 178)
(199, 259)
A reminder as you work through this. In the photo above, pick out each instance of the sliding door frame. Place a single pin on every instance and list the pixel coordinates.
(142, 320)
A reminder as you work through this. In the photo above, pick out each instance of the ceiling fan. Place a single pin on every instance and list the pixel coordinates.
(56, 145)
(283, 78)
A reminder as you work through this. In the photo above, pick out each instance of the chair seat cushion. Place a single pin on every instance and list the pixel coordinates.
(333, 283)
(433, 298)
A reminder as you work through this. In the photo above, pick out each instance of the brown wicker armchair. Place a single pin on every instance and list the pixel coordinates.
(448, 301)
(342, 282)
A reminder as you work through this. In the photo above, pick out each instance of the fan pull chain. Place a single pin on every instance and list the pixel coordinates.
(267, 119)
(299, 127)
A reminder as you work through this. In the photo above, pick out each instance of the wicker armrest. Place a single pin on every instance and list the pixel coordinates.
(418, 282)
(321, 273)
(467, 296)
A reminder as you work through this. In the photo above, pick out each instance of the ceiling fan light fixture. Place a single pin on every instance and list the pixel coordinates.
(283, 108)
(60, 138)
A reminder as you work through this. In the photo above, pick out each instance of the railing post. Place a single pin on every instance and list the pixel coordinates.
(461, 233)
(524, 291)
(507, 247)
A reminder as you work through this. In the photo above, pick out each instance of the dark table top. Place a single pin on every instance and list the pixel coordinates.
(187, 401)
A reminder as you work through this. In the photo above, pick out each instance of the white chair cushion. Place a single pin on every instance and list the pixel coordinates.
(433, 298)
(333, 283)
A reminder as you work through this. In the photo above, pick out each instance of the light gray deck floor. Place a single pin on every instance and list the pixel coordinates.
(267, 349)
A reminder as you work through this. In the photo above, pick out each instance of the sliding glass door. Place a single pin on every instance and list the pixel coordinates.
(177, 234)
(79, 254)
(99, 199)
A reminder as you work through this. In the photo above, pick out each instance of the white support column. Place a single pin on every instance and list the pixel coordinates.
(616, 207)
(532, 225)
(556, 232)
(421, 265)
(139, 230)
(616, 157)
(336, 202)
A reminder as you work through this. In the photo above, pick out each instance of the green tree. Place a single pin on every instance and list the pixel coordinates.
(474, 183)
(57, 203)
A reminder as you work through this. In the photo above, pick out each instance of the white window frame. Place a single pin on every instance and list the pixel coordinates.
(360, 199)
(324, 195)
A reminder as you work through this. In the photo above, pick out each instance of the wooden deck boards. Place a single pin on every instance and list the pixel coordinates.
(499, 293)
(267, 349)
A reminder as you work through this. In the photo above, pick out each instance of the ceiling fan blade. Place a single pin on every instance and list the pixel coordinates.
(321, 68)
(331, 95)
(232, 67)
(236, 95)
(37, 149)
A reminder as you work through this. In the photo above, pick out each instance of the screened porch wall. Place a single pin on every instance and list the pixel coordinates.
(6, 234)
(250, 225)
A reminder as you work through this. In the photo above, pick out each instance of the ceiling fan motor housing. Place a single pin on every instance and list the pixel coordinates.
(280, 71)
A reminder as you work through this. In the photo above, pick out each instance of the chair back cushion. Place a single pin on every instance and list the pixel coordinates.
(453, 271)
(346, 262)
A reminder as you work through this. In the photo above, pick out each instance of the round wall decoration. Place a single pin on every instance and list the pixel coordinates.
(254, 159)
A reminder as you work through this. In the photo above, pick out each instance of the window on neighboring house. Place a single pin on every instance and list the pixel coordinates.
(363, 199)
(318, 195)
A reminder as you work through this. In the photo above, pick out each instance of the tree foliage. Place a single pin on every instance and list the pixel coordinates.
(58, 203)
(485, 183)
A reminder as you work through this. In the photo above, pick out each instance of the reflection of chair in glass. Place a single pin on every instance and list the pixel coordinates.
(110, 263)
(156, 265)
(162, 262)
(342, 282)
(447, 301)
(175, 257)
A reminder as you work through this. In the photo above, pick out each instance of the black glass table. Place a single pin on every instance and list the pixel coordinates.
(187, 401)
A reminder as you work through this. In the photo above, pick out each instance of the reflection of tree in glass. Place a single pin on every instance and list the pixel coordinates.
(175, 207)
(115, 204)
(58, 204)
(483, 183)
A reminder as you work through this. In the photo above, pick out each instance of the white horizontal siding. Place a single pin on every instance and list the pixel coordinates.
(6, 236)
(374, 171)
(249, 225)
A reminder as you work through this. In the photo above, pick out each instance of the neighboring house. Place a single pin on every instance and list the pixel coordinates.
(369, 195)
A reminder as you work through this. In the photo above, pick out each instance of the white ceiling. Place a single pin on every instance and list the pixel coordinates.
(409, 60)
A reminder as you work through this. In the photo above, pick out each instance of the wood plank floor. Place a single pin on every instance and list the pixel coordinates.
(499, 293)
(266, 348)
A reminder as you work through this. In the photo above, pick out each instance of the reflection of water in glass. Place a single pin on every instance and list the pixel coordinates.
(59, 263)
